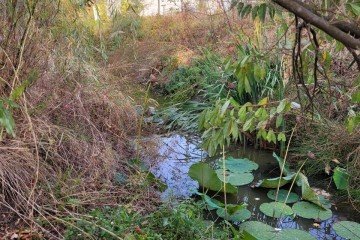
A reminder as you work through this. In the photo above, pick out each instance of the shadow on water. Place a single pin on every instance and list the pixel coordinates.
(176, 153)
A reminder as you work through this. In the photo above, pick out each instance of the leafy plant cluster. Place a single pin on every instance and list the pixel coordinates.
(183, 221)
(309, 206)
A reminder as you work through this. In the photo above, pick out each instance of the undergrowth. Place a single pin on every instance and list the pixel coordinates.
(183, 221)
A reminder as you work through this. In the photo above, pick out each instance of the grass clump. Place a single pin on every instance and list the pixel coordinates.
(184, 221)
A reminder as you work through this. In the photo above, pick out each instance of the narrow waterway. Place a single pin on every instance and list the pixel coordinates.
(175, 153)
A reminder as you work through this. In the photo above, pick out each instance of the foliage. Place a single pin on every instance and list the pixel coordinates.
(207, 177)
(283, 195)
(229, 122)
(259, 231)
(312, 211)
(184, 221)
(276, 209)
(341, 178)
(347, 229)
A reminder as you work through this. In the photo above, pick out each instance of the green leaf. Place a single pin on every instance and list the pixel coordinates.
(271, 137)
(355, 8)
(248, 124)
(279, 120)
(347, 229)
(280, 161)
(263, 101)
(208, 178)
(341, 178)
(281, 137)
(281, 106)
(274, 182)
(262, 12)
(311, 211)
(238, 165)
(246, 10)
(238, 216)
(282, 194)
(224, 107)
(257, 230)
(235, 179)
(276, 209)
(211, 204)
(253, 230)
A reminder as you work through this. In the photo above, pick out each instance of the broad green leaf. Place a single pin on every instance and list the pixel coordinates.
(238, 165)
(311, 211)
(341, 178)
(253, 230)
(282, 194)
(347, 229)
(235, 179)
(276, 209)
(238, 216)
(208, 178)
(274, 182)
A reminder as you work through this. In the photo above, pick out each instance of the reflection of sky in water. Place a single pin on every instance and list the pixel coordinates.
(175, 156)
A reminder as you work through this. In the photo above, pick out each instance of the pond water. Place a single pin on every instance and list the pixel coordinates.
(175, 154)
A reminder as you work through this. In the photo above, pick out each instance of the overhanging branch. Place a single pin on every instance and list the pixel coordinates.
(319, 22)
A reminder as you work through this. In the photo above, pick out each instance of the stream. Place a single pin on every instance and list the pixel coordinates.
(175, 153)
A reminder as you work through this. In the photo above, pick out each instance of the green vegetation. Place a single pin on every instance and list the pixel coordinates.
(77, 118)
(182, 221)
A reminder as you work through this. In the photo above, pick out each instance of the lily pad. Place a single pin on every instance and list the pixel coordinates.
(276, 209)
(293, 197)
(311, 211)
(208, 178)
(281, 162)
(238, 165)
(260, 231)
(274, 182)
(294, 234)
(347, 229)
(341, 178)
(257, 230)
(236, 179)
(239, 216)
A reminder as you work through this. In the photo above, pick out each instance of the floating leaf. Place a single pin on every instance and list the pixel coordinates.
(236, 179)
(311, 211)
(276, 209)
(294, 234)
(282, 194)
(257, 230)
(274, 182)
(238, 216)
(341, 178)
(254, 230)
(238, 165)
(208, 178)
(347, 229)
